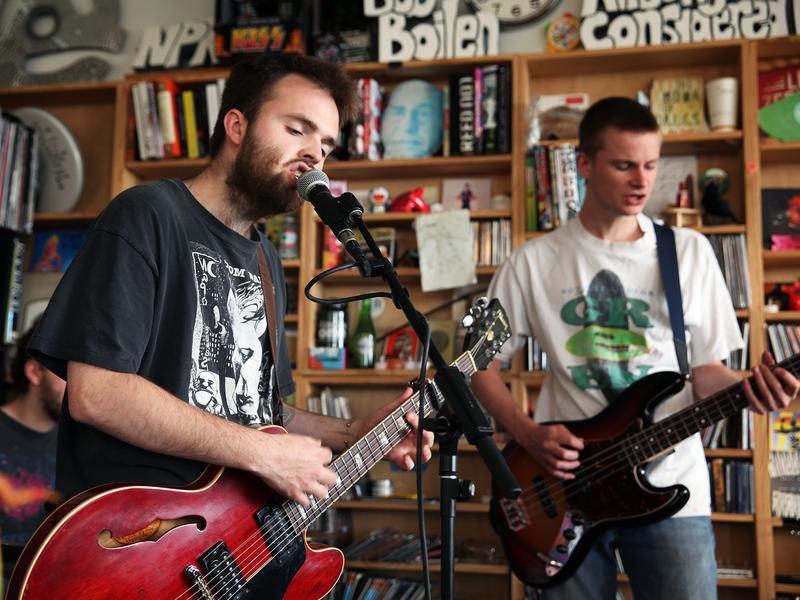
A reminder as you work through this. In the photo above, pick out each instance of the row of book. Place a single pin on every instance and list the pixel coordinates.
(731, 253)
(554, 190)
(535, 357)
(330, 405)
(784, 339)
(357, 585)
(19, 173)
(731, 432)
(784, 463)
(12, 263)
(174, 122)
(388, 545)
(732, 488)
(491, 242)
(477, 112)
(738, 359)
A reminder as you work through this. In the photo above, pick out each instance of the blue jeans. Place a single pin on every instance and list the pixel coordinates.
(672, 559)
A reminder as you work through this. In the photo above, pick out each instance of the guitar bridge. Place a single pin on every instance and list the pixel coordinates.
(516, 514)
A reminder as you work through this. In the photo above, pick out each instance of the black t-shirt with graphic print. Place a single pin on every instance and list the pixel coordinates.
(163, 289)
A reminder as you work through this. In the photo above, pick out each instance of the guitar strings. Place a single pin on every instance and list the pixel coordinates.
(730, 394)
(255, 541)
(641, 434)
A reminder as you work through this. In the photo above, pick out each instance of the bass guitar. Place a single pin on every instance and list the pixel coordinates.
(548, 530)
(220, 537)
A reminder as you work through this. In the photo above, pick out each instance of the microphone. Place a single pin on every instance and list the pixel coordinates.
(314, 186)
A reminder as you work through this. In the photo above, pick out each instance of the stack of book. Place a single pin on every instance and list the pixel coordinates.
(536, 358)
(174, 122)
(784, 463)
(388, 545)
(731, 485)
(12, 250)
(19, 173)
(354, 585)
(731, 432)
(731, 253)
(784, 339)
(554, 190)
(477, 112)
(491, 242)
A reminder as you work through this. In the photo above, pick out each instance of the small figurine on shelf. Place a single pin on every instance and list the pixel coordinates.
(410, 201)
(378, 199)
(714, 183)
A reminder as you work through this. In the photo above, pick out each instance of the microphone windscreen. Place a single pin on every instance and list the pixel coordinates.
(308, 180)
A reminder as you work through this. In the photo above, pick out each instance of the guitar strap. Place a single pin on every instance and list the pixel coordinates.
(271, 311)
(668, 265)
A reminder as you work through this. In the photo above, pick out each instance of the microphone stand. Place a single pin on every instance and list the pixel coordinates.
(459, 415)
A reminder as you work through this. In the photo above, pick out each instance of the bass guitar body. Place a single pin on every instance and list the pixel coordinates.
(550, 528)
(223, 537)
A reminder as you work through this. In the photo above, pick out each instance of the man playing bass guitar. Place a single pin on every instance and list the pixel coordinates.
(591, 294)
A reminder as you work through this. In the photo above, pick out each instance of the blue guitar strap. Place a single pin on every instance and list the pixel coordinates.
(668, 264)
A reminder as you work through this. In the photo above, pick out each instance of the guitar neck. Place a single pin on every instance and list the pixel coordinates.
(356, 461)
(660, 436)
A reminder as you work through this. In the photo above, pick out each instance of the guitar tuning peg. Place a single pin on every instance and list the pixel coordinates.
(468, 321)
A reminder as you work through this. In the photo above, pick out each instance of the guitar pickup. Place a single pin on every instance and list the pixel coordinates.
(228, 579)
(516, 514)
(546, 500)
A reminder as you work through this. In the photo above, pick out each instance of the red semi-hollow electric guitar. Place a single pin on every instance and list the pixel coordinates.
(221, 537)
(548, 530)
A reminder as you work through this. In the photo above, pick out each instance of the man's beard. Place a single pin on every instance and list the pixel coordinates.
(260, 185)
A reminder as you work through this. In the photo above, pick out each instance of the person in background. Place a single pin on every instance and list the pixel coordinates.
(591, 294)
(28, 431)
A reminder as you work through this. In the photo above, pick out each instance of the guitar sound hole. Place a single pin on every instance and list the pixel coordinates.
(152, 532)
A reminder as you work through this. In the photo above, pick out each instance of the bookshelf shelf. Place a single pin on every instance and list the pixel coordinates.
(291, 318)
(51, 219)
(403, 217)
(291, 263)
(781, 260)
(720, 229)
(733, 582)
(473, 568)
(787, 588)
(179, 168)
(532, 378)
(775, 152)
(728, 453)
(782, 315)
(721, 517)
(402, 273)
(359, 376)
(685, 143)
(435, 166)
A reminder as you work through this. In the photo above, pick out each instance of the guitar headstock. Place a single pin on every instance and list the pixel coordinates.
(487, 330)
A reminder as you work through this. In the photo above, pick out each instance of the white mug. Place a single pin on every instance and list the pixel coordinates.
(722, 97)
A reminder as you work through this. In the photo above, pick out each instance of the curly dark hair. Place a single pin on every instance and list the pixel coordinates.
(624, 114)
(252, 81)
(21, 383)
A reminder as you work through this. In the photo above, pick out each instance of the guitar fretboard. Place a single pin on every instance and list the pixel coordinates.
(660, 436)
(356, 461)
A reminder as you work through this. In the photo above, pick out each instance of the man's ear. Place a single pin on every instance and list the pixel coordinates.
(235, 126)
(584, 162)
(33, 371)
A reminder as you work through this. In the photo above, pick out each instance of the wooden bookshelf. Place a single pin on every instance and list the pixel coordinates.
(110, 169)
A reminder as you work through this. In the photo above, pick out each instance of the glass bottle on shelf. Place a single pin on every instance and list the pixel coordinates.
(362, 343)
(289, 247)
(332, 326)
